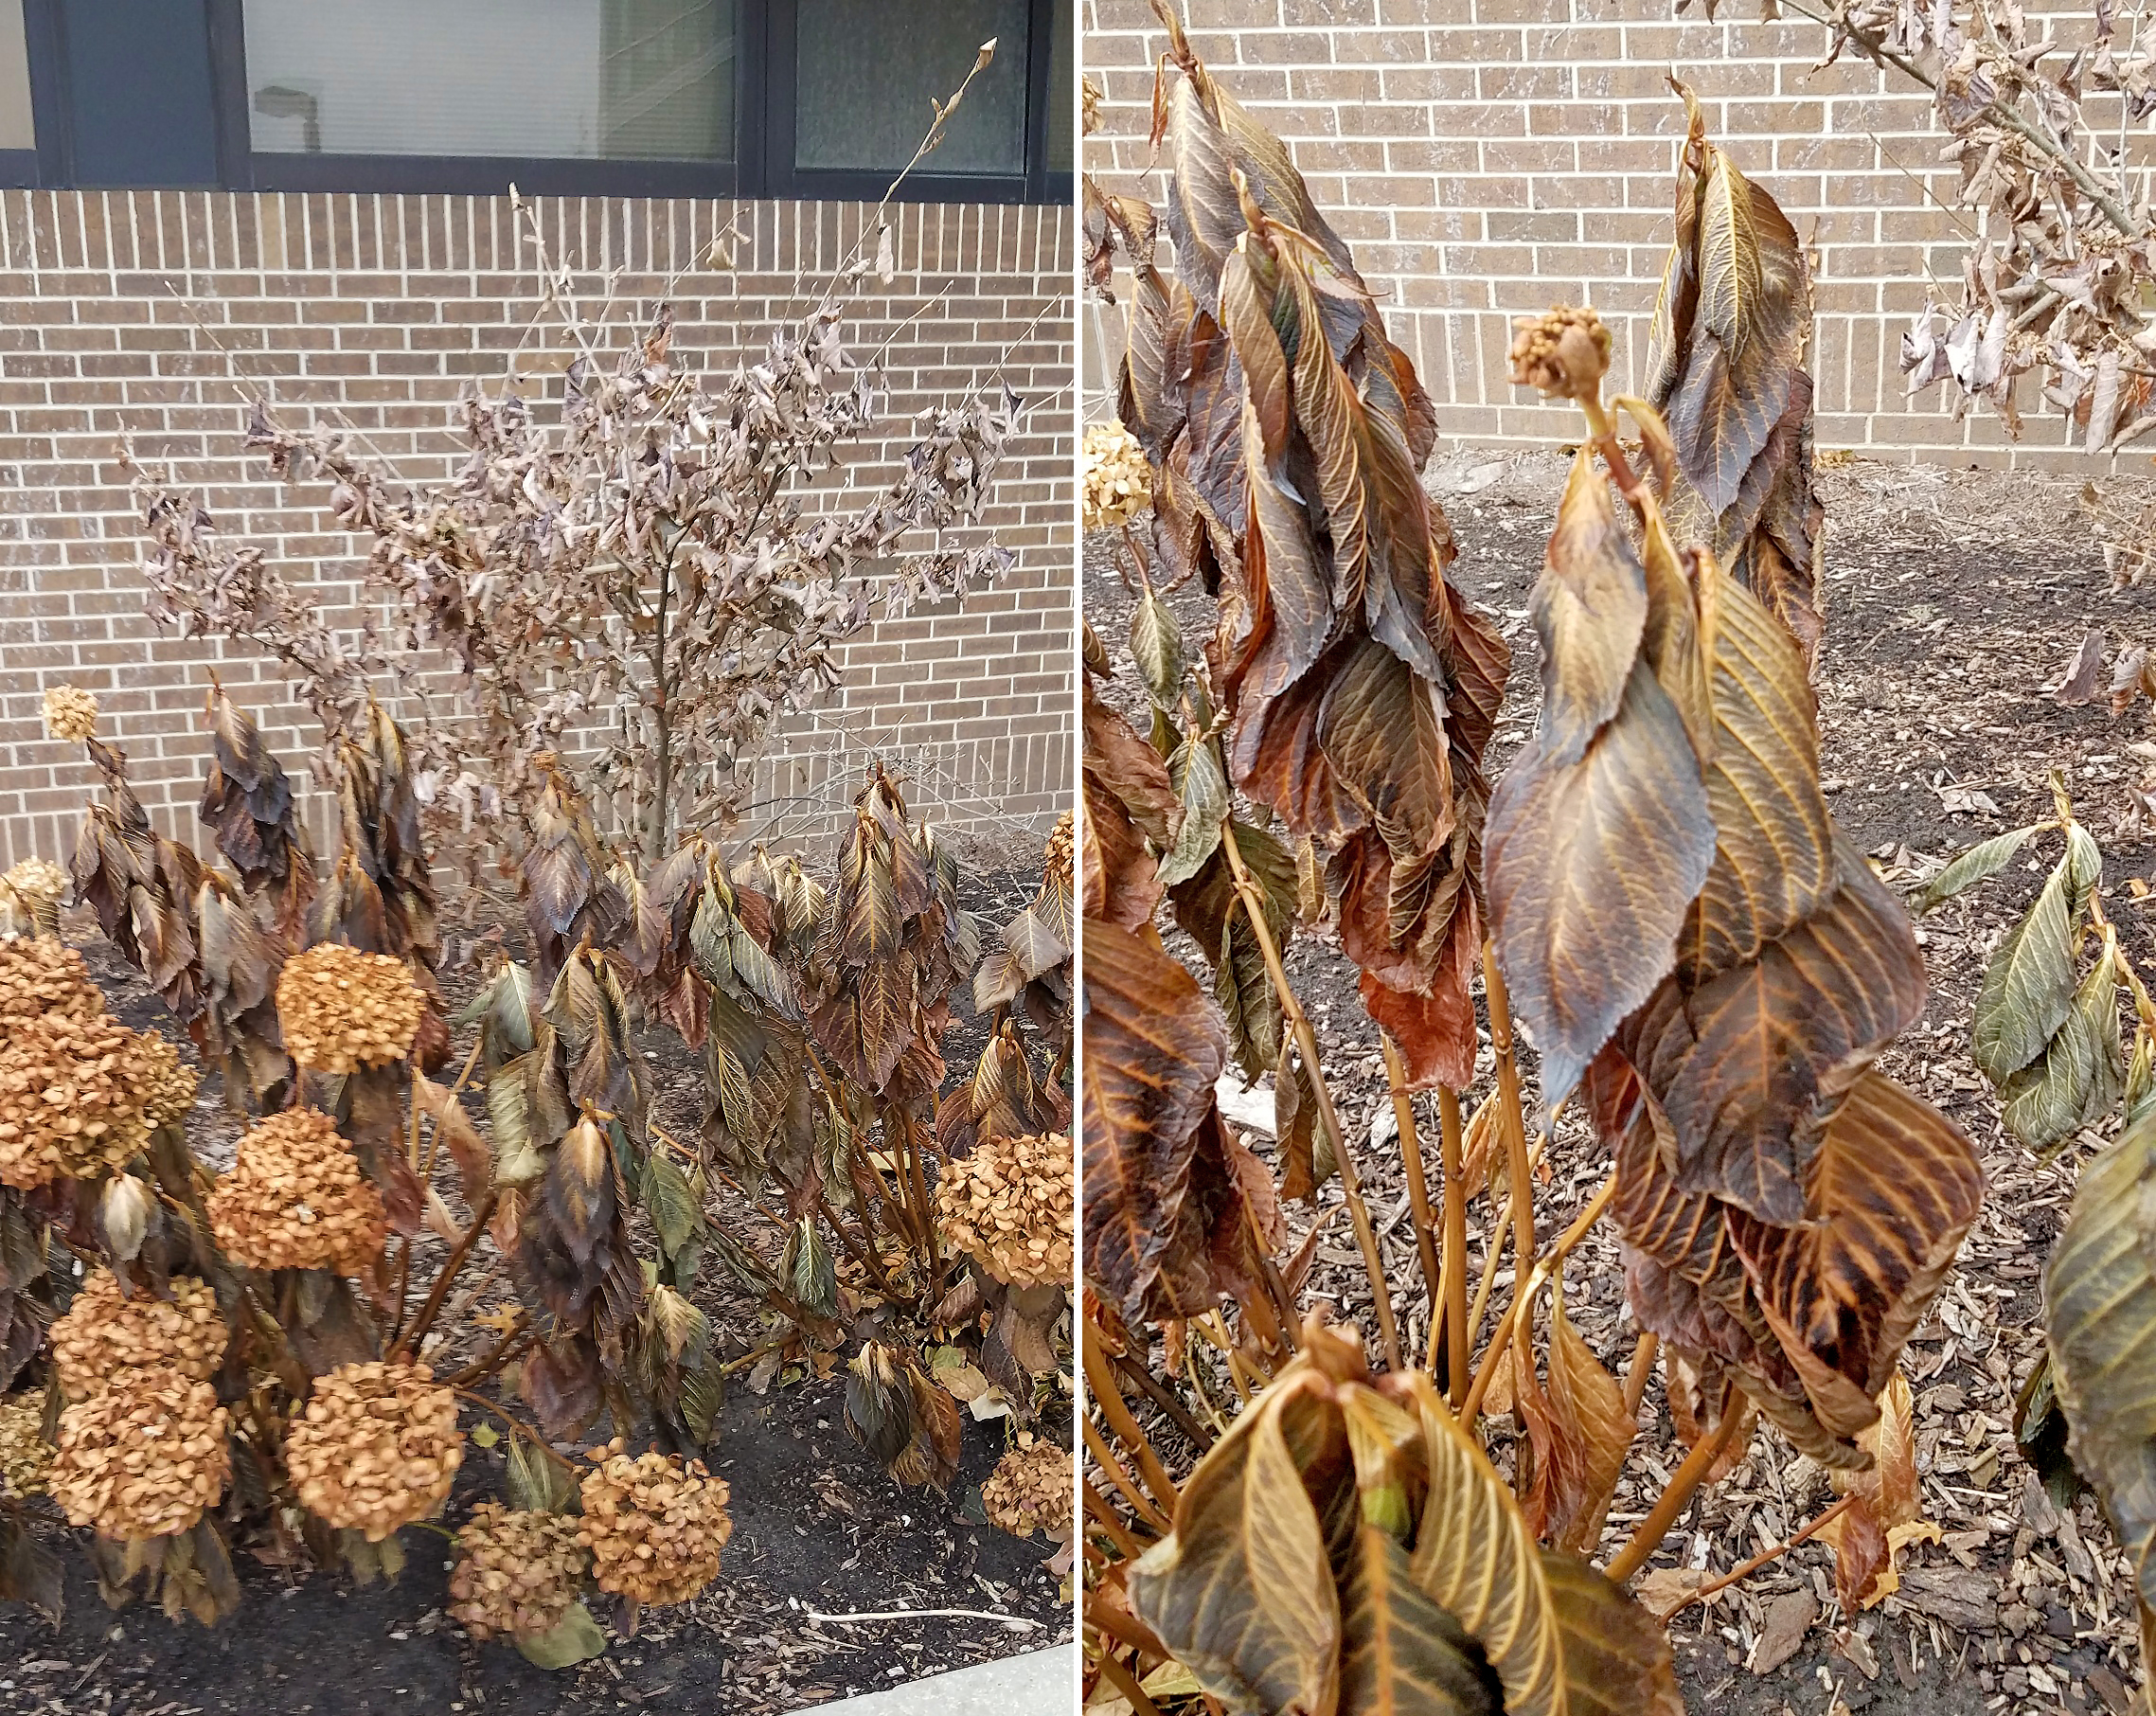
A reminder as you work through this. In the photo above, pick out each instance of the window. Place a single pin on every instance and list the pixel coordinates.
(654, 97)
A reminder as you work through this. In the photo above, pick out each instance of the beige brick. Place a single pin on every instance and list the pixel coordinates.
(377, 313)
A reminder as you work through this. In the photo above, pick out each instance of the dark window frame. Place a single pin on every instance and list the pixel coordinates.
(767, 32)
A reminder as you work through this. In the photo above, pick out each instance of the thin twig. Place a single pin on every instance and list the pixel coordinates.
(1760, 1560)
(1417, 1187)
(1457, 1336)
(1523, 1292)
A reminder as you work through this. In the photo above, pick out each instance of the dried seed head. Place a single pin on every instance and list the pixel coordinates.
(143, 1458)
(295, 1199)
(168, 1084)
(70, 1098)
(70, 714)
(1119, 482)
(1030, 1489)
(106, 1337)
(1564, 354)
(1010, 1205)
(1057, 854)
(30, 893)
(25, 1456)
(41, 976)
(376, 1448)
(342, 1009)
(654, 1525)
(517, 1573)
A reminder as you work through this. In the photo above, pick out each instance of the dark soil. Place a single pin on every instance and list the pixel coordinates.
(818, 1527)
(1954, 602)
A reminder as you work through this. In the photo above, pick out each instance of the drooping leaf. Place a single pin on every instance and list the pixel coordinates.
(1588, 1407)
(1893, 1190)
(1590, 608)
(2099, 1293)
(1749, 1065)
(1243, 1590)
(2028, 986)
(1153, 1054)
(1984, 859)
(1156, 646)
(1203, 791)
(2082, 1070)
(1592, 866)
(1401, 1653)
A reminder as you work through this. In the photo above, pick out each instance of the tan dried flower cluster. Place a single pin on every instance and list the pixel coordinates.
(25, 1456)
(342, 1009)
(516, 1572)
(1010, 1204)
(1056, 856)
(105, 1337)
(295, 1199)
(376, 1448)
(70, 714)
(1564, 354)
(1030, 1489)
(30, 890)
(70, 1098)
(169, 1083)
(144, 1458)
(1119, 482)
(654, 1525)
(41, 976)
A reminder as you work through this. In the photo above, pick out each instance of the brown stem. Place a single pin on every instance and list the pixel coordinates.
(1161, 1397)
(1281, 1309)
(1106, 1518)
(409, 1341)
(1642, 1368)
(1417, 1187)
(1104, 1456)
(463, 1078)
(1100, 1382)
(1126, 1684)
(1523, 1290)
(1765, 1556)
(1688, 1478)
(1509, 1099)
(1306, 1041)
(514, 1342)
(1460, 1338)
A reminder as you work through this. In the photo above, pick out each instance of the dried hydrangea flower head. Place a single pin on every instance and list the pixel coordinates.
(168, 1082)
(342, 1009)
(41, 976)
(653, 1525)
(70, 1099)
(517, 1573)
(25, 1456)
(1119, 482)
(376, 1447)
(1030, 1489)
(30, 898)
(70, 714)
(144, 1458)
(107, 1335)
(1564, 354)
(1010, 1205)
(1056, 854)
(295, 1199)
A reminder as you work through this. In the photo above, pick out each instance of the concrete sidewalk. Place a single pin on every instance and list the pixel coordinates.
(1041, 1683)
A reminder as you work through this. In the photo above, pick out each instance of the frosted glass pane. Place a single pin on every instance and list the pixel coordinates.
(16, 131)
(581, 79)
(869, 69)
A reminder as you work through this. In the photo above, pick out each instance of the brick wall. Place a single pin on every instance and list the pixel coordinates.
(1488, 157)
(128, 314)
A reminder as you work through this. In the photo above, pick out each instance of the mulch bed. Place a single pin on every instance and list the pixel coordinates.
(819, 1527)
(1954, 602)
